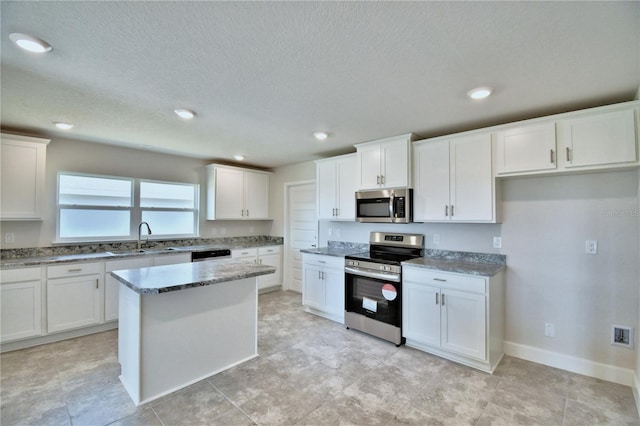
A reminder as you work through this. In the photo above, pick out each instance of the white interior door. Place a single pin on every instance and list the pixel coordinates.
(302, 231)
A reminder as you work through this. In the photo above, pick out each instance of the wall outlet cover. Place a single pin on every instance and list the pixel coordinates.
(436, 238)
(591, 246)
(497, 242)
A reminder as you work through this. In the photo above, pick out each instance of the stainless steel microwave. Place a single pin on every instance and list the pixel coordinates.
(392, 205)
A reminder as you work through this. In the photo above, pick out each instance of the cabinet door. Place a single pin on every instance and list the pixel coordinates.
(471, 179)
(21, 310)
(334, 292)
(464, 323)
(369, 164)
(526, 149)
(22, 180)
(421, 313)
(111, 285)
(608, 138)
(256, 195)
(395, 164)
(73, 302)
(229, 193)
(271, 280)
(326, 184)
(431, 193)
(313, 288)
(347, 185)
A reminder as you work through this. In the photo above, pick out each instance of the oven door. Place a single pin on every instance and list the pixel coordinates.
(374, 296)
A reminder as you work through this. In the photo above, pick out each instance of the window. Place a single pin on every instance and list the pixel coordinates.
(105, 208)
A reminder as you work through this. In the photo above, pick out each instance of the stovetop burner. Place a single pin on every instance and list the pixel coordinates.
(391, 249)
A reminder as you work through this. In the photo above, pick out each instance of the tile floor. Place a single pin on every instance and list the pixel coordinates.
(311, 371)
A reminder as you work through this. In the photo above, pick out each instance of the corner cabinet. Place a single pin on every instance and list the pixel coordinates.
(453, 180)
(22, 176)
(385, 163)
(337, 183)
(234, 193)
(323, 286)
(456, 316)
(112, 286)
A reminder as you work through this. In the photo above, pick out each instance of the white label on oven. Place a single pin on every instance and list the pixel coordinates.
(389, 292)
(370, 304)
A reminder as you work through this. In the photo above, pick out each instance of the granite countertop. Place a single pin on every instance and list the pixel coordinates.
(338, 249)
(120, 253)
(167, 278)
(460, 266)
(331, 251)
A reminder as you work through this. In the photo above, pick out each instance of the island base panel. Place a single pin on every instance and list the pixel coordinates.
(181, 337)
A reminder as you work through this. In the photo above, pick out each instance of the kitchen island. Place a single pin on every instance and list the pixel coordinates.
(179, 324)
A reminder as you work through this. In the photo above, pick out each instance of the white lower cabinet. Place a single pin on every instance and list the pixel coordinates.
(112, 285)
(458, 317)
(21, 309)
(270, 255)
(323, 286)
(74, 295)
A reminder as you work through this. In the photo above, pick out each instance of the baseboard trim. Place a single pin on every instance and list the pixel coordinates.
(610, 373)
(636, 392)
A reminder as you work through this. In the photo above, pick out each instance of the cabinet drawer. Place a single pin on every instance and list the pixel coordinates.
(323, 261)
(74, 269)
(246, 252)
(19, 275)
(268, 250)
(445, 280)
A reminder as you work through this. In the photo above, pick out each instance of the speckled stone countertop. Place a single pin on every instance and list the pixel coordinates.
(43, 256)
(338, 249)
(469, 263)
(167, 278)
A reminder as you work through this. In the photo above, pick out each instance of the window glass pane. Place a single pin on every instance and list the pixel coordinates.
(76, 223)
(170, 223)
(94, 191)
(167, 195)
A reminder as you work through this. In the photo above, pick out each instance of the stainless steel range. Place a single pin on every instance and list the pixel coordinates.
(373, 284)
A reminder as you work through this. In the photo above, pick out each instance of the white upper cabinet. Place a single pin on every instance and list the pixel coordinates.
(23, 163)
(526, 148)
(600, 139)
(236, 193)
(337, 183)
(454, 180)
(385, 163)
(580, 141)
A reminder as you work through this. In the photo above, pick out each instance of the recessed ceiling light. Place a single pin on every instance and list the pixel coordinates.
(320, 135)
(479, 92)
(238, 157)
(63, 126)
(185, 113)
(30, 43)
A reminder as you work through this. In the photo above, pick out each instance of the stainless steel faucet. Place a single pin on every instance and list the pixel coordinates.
(140, 231)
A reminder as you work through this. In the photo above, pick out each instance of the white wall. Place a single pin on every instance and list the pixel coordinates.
(86, 157)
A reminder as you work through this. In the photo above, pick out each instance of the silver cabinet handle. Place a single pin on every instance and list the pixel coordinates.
(321, 261)
(382, 179)
(440, 279)
(337, 212)
(96, 284)
(551, 156)
(568, 154)
(319, 275)
(436, 298)
(446, 210)
(443, 300)
(378, 179)
(75, 270)
(451, 210)
(247, 213)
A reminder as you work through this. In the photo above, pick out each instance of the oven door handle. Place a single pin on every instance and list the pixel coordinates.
(376, 275)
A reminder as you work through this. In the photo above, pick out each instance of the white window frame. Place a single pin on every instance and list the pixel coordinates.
(135, 211)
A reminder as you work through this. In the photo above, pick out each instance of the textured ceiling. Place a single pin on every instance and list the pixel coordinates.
(262, 76)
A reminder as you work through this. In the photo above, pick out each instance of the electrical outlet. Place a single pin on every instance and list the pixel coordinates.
(330, 231)
(9, 237)
(591, 246)
(497, 242)
(436, 238)
(549, 329)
